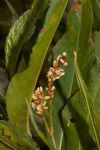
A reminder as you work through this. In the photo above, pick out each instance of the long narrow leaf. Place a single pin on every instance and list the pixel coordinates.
(13, 138)
(23, 84)
(19, 32)
(43, 137)
(88, 99)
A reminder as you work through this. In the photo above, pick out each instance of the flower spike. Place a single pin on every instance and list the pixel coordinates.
(39, 100)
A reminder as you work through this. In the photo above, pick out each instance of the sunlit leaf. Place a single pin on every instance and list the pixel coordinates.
(13, 138)
(23, 84)
(88, 101)
(20, 32)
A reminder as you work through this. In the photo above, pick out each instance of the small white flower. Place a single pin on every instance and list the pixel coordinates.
(64, 54)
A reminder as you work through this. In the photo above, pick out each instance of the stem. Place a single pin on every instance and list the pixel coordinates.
(39, 132)
(51, 118)
(45, 122)
(51, 124)
(2, 95)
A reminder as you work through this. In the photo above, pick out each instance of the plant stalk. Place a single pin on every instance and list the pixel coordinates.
(51, 124)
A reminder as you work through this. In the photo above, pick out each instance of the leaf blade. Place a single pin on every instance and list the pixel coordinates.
(23, 84)
(14, 138)
(18, 34)
(89, 101)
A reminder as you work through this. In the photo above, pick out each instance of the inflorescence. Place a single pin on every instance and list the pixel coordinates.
(39, 100)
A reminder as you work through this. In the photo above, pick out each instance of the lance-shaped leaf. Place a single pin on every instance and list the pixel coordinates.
(93, 81)
(93, 84)
(68, 43)
(43, 137)
(77, 37)
(75, 123)
(97, 45)
(22, 85)
(13, 11)
(85, 54)
(19, 33)
(58, 103)
(13, 138)
(96, 7)
(79, 131)
(88, 101)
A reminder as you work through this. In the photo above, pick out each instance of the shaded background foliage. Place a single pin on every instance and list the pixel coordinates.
(69, 23)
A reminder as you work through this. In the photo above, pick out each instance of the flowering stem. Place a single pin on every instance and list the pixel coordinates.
(46, 124)
(51, 124)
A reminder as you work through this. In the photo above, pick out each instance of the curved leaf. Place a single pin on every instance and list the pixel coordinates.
(58, 103)
(93, 81)
(88, 101)
(13, 138)
(46, 141)
(93, 84)
(13, 11)
(85, 54)
(97, 45)
(96, 7)
(79, 119)
(76, 124)
(19, 32)
(22, 85)
(68, 43)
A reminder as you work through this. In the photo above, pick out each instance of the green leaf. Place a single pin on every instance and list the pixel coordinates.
(79, 131)
(13, 138)
(93, 83)
(88, 101)
(19, 33)
(13, 11)
(43, 137)
(85, 54)
(58, 103)
(75, 123)
(96, 8)
(97, 45)
(68, 43)
(77, 37)
(22, 85)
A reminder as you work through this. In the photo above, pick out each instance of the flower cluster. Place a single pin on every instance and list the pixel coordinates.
(56, 71)
(39, 100)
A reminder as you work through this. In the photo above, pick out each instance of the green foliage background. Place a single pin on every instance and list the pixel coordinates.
(32, 35)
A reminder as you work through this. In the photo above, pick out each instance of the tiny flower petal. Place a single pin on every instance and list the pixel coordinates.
(64, 54)
(38, 107)
(65, 64)
(57, 77)
(33, 105)
(44, 103)
(41, 89)
(53, 88)
(46, 107)
(62, 74)
(34, 97)
(39, 113)
(46, 97)
(57, 72)
(62, 61)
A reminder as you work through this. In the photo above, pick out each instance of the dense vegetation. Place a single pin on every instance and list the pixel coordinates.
(50, 74)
